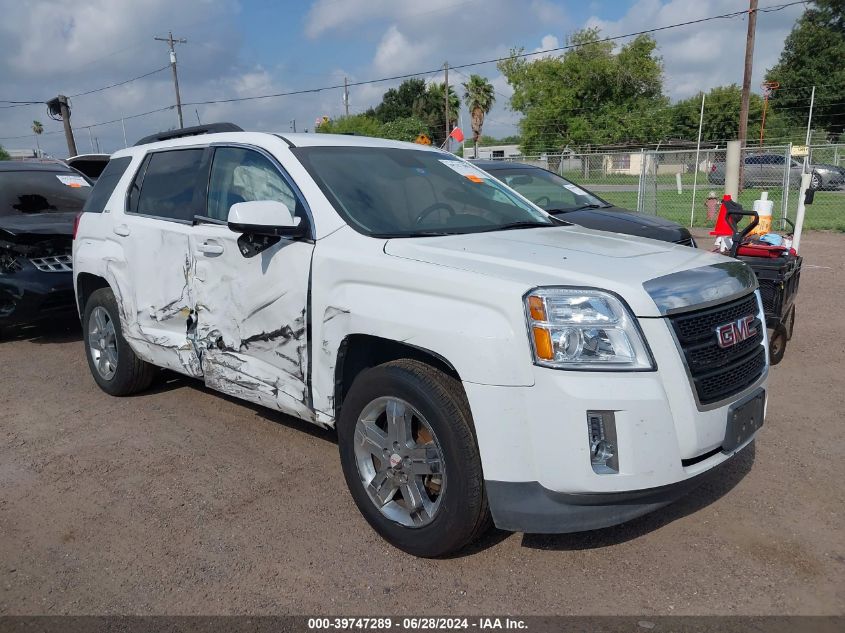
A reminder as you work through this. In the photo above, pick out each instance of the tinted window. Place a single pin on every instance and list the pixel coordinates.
(775, 160)
(24, 192)
(752, 160)
(105, 185)
(547, 190)
(402, 193)
(243, 175)
(167, 188)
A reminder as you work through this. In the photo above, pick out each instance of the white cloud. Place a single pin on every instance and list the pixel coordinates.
(396, 53)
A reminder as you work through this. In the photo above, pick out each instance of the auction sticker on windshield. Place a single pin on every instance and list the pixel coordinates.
(73, 181)
(465, 170)
(576, 189)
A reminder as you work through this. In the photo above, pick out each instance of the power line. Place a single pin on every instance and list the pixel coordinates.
(87, 92)
(732, 14)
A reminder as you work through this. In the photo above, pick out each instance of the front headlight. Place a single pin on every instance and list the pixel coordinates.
(582, 328)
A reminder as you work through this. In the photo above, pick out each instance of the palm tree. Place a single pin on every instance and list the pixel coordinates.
(38, 130)
(479, 97)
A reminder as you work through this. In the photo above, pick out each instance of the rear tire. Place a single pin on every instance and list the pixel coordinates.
(437, 457)
(113, 364)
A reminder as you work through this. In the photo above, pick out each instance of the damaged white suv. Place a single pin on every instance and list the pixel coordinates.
(479, 359)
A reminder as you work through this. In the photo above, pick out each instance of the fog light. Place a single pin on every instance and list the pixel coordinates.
(601, 435)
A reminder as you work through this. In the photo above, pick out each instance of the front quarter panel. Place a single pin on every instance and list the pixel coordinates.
(474, 322)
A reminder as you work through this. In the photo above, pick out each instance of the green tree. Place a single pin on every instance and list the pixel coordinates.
(405, 129)
(813, 54)
(433, 108)
(401, 102)
(3, 154)
(38, 130)
(359, 124)
(721, 116)
(590, 95)
(479, 98)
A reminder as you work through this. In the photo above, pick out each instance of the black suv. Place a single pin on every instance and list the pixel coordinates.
(39, 202)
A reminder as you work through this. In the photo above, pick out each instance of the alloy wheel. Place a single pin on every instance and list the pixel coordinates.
(399, 461)
(102, 342)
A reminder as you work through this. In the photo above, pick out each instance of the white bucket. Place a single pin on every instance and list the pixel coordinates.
(764, 208)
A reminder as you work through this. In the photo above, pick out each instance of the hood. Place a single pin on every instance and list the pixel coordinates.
(38, 224)
(566, 255)
(618, 220)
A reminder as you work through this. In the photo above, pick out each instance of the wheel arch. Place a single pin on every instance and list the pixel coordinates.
(86, 285)
(358, 352)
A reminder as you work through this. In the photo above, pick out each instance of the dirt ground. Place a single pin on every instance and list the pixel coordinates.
(180, 501)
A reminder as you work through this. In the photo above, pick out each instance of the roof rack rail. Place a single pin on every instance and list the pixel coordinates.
(196, 130)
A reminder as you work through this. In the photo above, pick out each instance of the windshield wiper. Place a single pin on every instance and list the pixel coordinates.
(385, 236)
(581, 208)
(522, 224)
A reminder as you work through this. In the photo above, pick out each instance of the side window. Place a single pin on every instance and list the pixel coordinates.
(776, 160)
(752, 160)
(164, 186)
(244, 175)
(104, 187)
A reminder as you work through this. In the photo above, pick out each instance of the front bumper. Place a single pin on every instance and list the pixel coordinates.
(29, 294)
(530, 507)
(535, 450)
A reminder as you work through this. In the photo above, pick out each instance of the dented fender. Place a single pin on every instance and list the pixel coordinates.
(463, 318)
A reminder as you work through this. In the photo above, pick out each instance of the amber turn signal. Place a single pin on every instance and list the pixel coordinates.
(543, 343)
(537, 308)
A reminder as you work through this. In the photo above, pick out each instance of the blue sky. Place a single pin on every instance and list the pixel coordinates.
(250, 47)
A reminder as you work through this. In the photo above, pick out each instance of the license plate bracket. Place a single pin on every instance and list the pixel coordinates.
(744, 418)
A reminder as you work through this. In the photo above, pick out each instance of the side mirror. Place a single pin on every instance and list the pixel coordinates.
(265, 217)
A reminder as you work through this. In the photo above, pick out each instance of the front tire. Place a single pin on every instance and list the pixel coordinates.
(113, 364)
(410, 458)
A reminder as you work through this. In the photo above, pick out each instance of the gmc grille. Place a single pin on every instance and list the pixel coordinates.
(718, 373)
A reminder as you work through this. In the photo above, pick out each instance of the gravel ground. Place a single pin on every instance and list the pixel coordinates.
(180, 501)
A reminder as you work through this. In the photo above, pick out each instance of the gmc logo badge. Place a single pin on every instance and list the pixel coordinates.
(730, 334)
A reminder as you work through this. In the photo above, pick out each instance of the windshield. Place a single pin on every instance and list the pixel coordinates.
(23, 192)
(403, 193)
(547, 190)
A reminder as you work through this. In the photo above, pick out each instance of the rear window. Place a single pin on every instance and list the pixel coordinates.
(105, 185)
(24, 192)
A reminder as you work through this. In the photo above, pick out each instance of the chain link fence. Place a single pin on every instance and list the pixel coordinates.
(674, 184)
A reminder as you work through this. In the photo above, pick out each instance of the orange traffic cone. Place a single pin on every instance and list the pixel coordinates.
(722, 227)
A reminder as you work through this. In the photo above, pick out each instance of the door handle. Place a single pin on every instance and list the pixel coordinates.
(121, 229)
(210, 247)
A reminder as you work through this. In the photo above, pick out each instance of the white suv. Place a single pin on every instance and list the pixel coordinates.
(478, 358)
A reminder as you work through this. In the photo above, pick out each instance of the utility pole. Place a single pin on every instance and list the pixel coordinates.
(58, 107)
(346, 95)
(170, 41)
(746, 81)
(446, 91)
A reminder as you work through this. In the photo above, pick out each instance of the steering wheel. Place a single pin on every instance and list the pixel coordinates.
(432, 208)
(540, 201)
